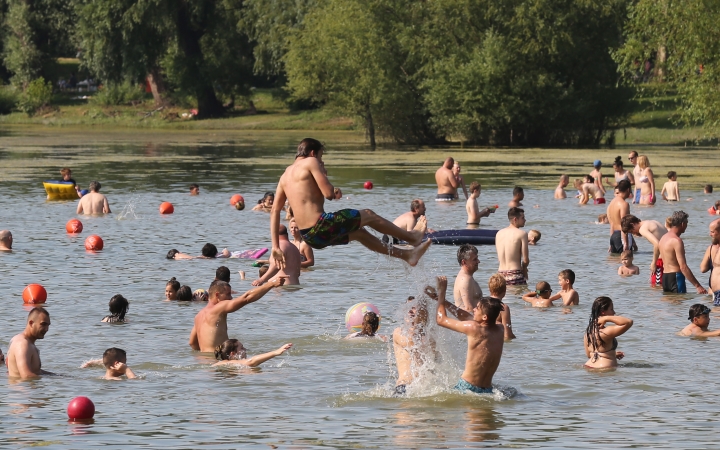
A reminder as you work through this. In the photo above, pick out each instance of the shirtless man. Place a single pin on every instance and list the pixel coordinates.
(471, 206)
(511, 244)
(672, 252)
(93, 202)
(210, 328)
(446, 181)
(412, 346)
(6, 241)
(408, 220)
(293, 261)
(485, 339)
(653, 231)
(467, 292)
(560, 189)
(587, 187)
(616, 210)
(518, 197)
(460, 179)
(637, 173)
(305, 185)
(23, 358)
(711, 261)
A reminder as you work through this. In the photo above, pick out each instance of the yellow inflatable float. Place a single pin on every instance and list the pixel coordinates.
(60, 190)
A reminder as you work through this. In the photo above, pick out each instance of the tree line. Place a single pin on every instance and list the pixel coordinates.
(500, 72)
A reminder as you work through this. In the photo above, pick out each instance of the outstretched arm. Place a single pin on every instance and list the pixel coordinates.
(250, 296)
(443, 305)
(259, 359)
(272, 270)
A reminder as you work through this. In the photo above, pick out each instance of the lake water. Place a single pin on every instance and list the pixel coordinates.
(327, 392)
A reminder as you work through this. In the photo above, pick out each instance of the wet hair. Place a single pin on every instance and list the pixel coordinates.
(592, 333)
(517, 191)
(671, 174)
(415, 204)
(282, 230)
(708, 188)
(643, 162)
(209, 250)
(95, 186)
(474, 186)
(497, 283)
(222, 273)
(268, 194)
(194, 186)
(307, 146)
(678, 218)
(217, 286)
(588, 179)
(535, 233)
(113, 355)
(222, 351)
(626, 254)
(568, 274)
(119, 306)
(185, 294)
(37, 311)
(171, 254)
(542, 286)
(174, 284)
(698, 309)
(623, 186)
(628, 222)
(618, 162)
(602, 217)
(65, 171)
(464, 252)
(491, 307)
(515, 213)
(263, 270)
(371, 323)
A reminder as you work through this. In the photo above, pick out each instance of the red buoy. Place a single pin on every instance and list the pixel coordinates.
(166, 208)
(94, 243)
(368, 185)
(81, 408)
(236, 198)
(74, 226)
(34, 293)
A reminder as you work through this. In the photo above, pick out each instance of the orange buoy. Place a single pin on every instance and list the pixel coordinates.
(166, 208)
(236, 198)
(74, 226)
(94, 243)
(34, 293)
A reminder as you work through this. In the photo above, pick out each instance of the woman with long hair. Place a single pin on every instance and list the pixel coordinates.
(601, 341)
(646, 181)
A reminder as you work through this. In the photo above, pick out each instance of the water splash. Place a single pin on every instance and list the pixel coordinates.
(128, 211)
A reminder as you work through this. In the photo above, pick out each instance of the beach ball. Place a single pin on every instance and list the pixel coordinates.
(240, 205)
(236, 198)
(81, 408)
(94, 243)
(34, 293)
(200, 295)
(74, 226)
(368, 185)
(166, 208)
(354, 315)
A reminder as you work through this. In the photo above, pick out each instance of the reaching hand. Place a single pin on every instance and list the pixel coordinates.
(619, 355)
(279, 281)
(442, 284)
(284, 348)
(701, 290)
(279, 257)
(431, 292)
(256, 282)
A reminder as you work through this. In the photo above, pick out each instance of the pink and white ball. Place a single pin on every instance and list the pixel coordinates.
(354, 315)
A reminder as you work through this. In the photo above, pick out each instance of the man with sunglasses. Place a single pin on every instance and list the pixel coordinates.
(637, 173)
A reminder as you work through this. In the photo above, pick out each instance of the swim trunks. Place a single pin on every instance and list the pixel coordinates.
(513, 277)
(616, 245)
(332, 229)
(716, 298)
(445, 198)
(463, 385)
(657, 276)
(399, 389)
(637, 196)
(599, 201)
(674, 282)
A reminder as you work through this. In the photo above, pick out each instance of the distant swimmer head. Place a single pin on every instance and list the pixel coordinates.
(623, 187)
(310, 147)
(516, 216)
(171, 289)
(171, 254)
(222, 273)
(543, 289)
(267, 200)
(219, 290)
(672, 175)
(518, 193)
(467, 254)
(602, 219)
(66, 173)
(185, 294)
(474, 186)
(263, 270)
(282, 230)
(114, 355)
(696, 313)
(597, 164)
(209, 250)
(643, 162)
(708, 189)
(568, 275)
(588, 179)
(95, 186)
(194, 189)
(6, 239)
(119, 306)
(417, 206)
(230, 349)
(371, 323)
(488, 307)
(534, 236)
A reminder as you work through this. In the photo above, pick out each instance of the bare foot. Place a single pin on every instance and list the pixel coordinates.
(419, 231)
(416, 253)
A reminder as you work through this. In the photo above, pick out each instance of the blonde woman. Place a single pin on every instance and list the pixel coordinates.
(646, 181)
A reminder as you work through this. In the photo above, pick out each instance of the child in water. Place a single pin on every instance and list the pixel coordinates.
(176, 254)
(533, 237)
(232, 352)
(194, 189)
(627, 269)
(118, 308)
(569, 296)
(670, 191)
(699, 317)
(541, 297)
(184, 294)
(171, 289)
(114, 360)
(370, 325)
(603, 219)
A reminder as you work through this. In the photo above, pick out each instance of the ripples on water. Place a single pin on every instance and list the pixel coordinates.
(328, 392)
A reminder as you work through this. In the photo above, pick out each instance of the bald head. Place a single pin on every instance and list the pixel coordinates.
(6, 240)
(449, 163)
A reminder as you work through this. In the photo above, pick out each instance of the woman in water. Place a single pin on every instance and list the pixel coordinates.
(620, 173)
(600, 341)
(307, 257)
(370, 325)
(646, 181)
(265, 204)
(119, 306)
(232, 352)
(184, 294)
(171, 289)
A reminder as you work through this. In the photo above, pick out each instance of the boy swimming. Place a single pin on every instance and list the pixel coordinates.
(540, 298)
(232, 352)
(566, 279)
(699, 317)
(533, 237)
(115, 362)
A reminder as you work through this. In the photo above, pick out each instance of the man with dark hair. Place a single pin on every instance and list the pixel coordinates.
(223, 274)
(305, 185)
(511, 244)
(210, 251)
(23, 358)
(93, 202)
(485, 338)
(616, 210)
(653, 231)
(194, 189)
(672, 252)
(447, 182)
(6, 240)
(518, 197)
(291, 270)
(210, 327)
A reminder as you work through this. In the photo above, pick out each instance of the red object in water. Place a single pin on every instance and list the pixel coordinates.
(368, 185)
(166, 208)
(94, 243)
(236, 199)
(34, 293)
(74, 226)
(81, 408)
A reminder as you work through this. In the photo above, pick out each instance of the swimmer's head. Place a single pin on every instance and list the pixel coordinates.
(65, 172)
(678, 219)
(588, 179)
(672, 175)
(715, 231)
(516, 216)
(6, 238)
(626, 257)
(171, 254)
(568, 275)
(185, 294)
(38, 321)
(543, 289)
(95, 186)
(209, 250)
(171, 289)
(310, 147)
(564, 180)
(602, 218)
(219, 290)
(119, 306)
(194, 189)
(534, 236)
(643, 162)
(489, 307)
(630, 225)
(717, 206)
(467, 255)
(449, 163)
(624, 188)
(230, 349)
(267, 200)
(578, 183)
(222, 273)
(282, 230)
(497, 285)
(417, 206)
(371, 323)
(518, 193)
(618, 164)
(597, 164)
(708, 189)
(263, 270)
(114, 355)
(699, 314)
(474, 186)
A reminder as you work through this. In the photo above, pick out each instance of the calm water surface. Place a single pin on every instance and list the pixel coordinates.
(325, 392)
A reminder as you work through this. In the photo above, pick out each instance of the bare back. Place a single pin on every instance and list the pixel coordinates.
(301, 188)
(446, 182)
(511, 244)
(653, 231)
(466, 292)
(670, 244)
(473, 211)
(93, 203)
(485, 344)
(616, 210)
(292, 262)
(406, 221)
(211, 327)
(22, 353)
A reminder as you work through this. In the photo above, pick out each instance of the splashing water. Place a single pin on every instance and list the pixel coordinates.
(128, 211)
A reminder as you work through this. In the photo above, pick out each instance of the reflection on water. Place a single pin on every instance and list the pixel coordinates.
(327, 392)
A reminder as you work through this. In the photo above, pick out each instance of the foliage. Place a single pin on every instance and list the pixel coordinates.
(112, 94)
(8, 99)
(36, 95)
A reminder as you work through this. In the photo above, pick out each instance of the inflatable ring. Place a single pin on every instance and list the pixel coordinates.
(460, 237)
(60, 190)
